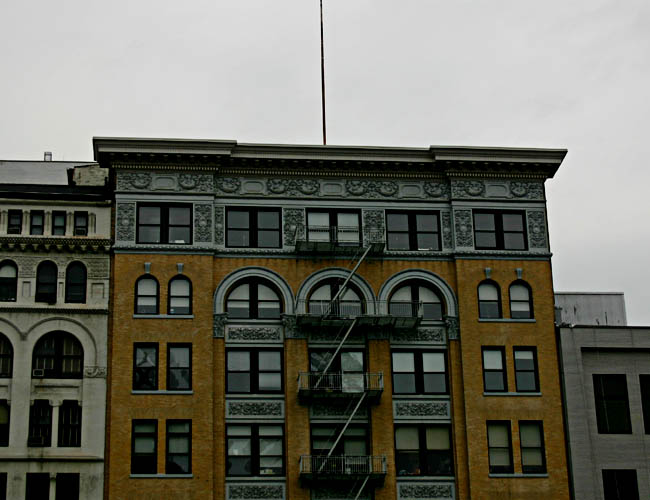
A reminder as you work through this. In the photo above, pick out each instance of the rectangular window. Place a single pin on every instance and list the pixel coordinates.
(620, 484)
(255, 450)
(179, 447)
(644, 383)
(179, 367)
(4, 423)
(334, 226)
(36, 221)
(81, 223)
(15, 222)
(70, 424)
(499, 447)
(165, 223)
(419, 372)
(531, 438)
(612, 406)
(145, 367)
(494, 369)
(354, 441)
(526, 376)
(413, 230)
(253, 228)
(254, 370)
(423, 450)
(37, 486)
(144, 446)
(67, 486)
(346, 372)
(499, 230)
(58, 223)
(3, 486)
(40, 423)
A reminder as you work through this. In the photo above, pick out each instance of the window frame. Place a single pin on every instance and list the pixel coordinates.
(58, 229)
(82, 285)
(67, 486)
(423, 451)
(644, 388)
(164, 224)
(136, 295)
(176, 345)
(533, 469)
(49, 297)
(5, 428)
(412, 230)
(414, 285)
(141, 345)
(187, 435)
(39, 434)
(255, 437)
(59, 356)
(500, 469)
(253, 228)
(620, 476)
(341, 306)
(499, 232)
(153, 456)
(34, 228)
(253, 297)
(333, 228)
(37, 485)
(535, 369)
(602, 403)
(16, 227)
(73, 428)
(418, 370)
(481, 313)
(80, 227)
(189, 297)
(531, 312)
(6, 358)
(504, 372)
(254, 371)
(9, 285)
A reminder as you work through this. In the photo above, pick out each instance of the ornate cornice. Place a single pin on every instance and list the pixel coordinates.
(46, 244)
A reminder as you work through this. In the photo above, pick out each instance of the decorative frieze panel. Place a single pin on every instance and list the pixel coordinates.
(94, 372)
(334, 410)
(253, 334)
(497, 189)
(26, 265)
(437, 190)
(202, 223)
(373, 226)
(425, 491)
(219, 325)
(247, 408)
(447, 233)
(125, 223)
(453, 327)
(293, 218)
(536, 229)
(255, 491)
(167, 181)
(219, 224)
(97, 267)
(417, 409)
(329, 493)
(463, 228)
(420, 336)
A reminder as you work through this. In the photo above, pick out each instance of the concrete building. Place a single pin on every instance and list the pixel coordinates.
(606, 378)
(296, 322)
(54, 284)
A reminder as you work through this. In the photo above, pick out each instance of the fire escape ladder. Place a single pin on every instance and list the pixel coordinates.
(365, 481)
(347, 280)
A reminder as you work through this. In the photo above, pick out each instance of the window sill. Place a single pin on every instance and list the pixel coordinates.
(232, 479)
(161, 476)
(490, 393)
(519, 475)
(406, 477)
(135, 391)
(506, 320)
(163, 316)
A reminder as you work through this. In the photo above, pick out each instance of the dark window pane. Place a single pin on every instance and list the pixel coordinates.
(513, 222)
(488, 310)
(486, 240)
(514, 241)
(435, 382)
(644, 382)
(268, 220)
(239, 382)
(239, 466)
(612, 406)
(179, 216)
(484, 222)
(397, 222)
(179, 235)
(426, 222)
(398, 241)
(149, 234)
(494, 381)
(407, 463)
(268, 239)
(428, 242)
(149, 215)
(238, 238)
(404, 383)
(526, 381)
(432, 311)
(37, 486)
(238, 220)
(620, 484)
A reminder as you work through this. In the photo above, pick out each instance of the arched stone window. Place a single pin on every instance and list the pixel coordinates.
(521, 300)
(179, 296)
(146, 295)
(8, 281)
(489, 300)
(58, 355)
(416, 298)
(75, 283)
(46, 276)
(253, 298)
(348, 303)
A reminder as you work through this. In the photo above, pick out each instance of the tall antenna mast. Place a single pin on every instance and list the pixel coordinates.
(322, 72)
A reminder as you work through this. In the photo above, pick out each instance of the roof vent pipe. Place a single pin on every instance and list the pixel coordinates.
(47, 156)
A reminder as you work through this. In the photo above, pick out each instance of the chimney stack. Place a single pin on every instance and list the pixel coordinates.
(47, 156)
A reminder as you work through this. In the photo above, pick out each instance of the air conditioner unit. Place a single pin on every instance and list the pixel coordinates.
(38, 373)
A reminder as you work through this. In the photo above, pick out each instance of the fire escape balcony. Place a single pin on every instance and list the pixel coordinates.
(337, 385)
(344, 241)
(319, 470)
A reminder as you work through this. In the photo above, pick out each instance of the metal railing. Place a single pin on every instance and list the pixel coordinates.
(353, 308)
(340, 235)
(350, 465)
(340, 382)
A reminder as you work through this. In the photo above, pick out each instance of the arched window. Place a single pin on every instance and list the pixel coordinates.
(8, 281)
(46, 275)
(146, 295)
(348, 303)
(179, 296)
(75, 283)
(254, 299)
(521, 300)
(58, 355)
(6, 357)
(416, 298)
(489, 300)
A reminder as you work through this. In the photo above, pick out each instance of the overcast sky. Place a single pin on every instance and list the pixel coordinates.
(569, 74)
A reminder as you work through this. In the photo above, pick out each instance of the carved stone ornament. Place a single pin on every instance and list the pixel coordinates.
(293, 187)
(253, 333)
(436, 189)
(293, 219)
(425, 491)
(97, 268)
(463, 227)
(94, 371)
(228, 185)
(219, 325)
(340, 493)
(125, 226)
(453, 327)
(203, 183)
(465, 189)
(536, 229)
(255, 491)
(219, 225)
(254, 408)
(128, 181)
(372, 189)
(26, 265)
(373, 226)
(291, 330)
(447, 238)
(202, 223)
(421, 409)
(527, 190)
(432, 335)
